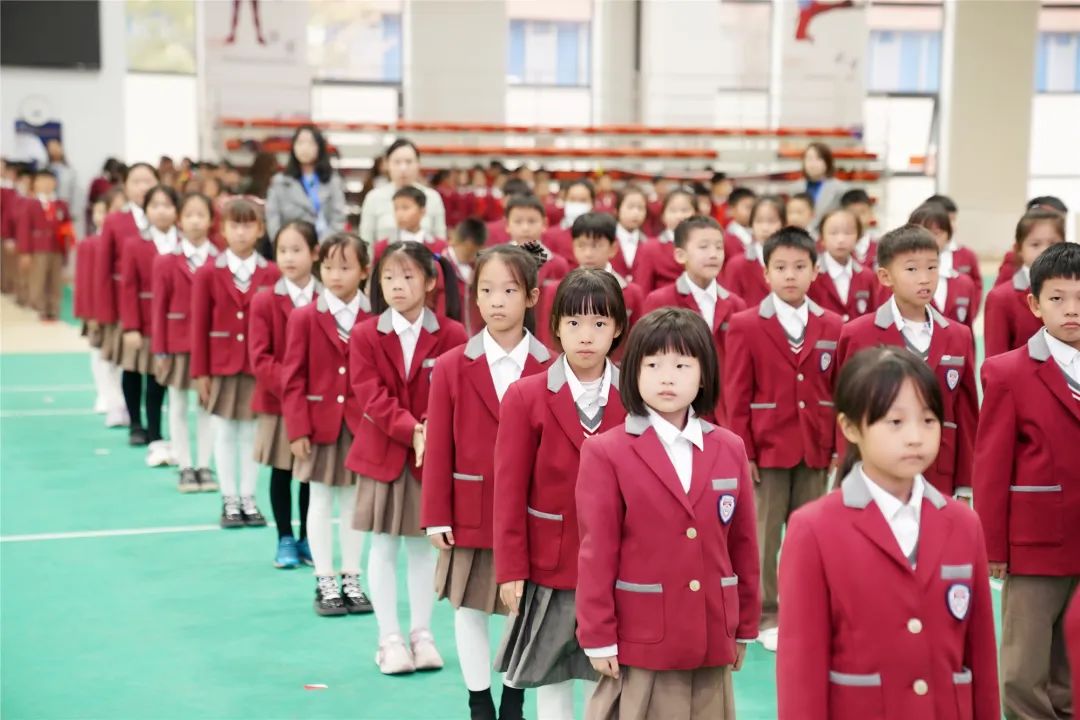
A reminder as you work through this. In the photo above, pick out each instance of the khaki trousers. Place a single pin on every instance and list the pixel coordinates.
(47, 283)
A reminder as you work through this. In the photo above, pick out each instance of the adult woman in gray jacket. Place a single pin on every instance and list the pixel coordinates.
(308, 189)
(824, 189)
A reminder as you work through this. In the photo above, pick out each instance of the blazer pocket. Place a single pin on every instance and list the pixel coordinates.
(545, 531)
(639, 612)
(965, 700)
(1036, 515)
(314, 398)
(729, 587)
(859, 695)
(175, 316)
(468, 500)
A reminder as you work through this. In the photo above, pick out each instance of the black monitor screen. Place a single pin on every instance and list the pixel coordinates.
(60, 34)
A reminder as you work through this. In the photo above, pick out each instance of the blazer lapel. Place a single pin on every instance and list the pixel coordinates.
(934, 531)
(703, 464)
(937, 340)
(562, 406)
(1050, 374)
(813, 331)
(479, 376)
(391, 345)
(328, 324)
(869, 521)
(424, 345)
(651, 451)
(775, 331)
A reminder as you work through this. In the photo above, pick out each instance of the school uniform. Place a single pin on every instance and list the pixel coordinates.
(887, 610)
(83, 295)
(849, 290)
(1027, 485)
(22, 206)
(43, 234)
(463, 276)
(1010, 264)
(963, 261)
(668, 566)
(1008, 322)
(948, 349)
(119, 228)
(778, 388)
(560, 241)
(866, 251)
(661, 267)
(390, 366)
(170, 309)
(716, 305)
(545, 420)
(633, 259)
(221, 299)
(267, 342)
(467, 386)
(1072, 638)
(496, 232)
(432, 243)
(957, 298)
(554, 269)
(317, 397)
(745, 276)
(545, 306)
(9, 203)
(137, 296)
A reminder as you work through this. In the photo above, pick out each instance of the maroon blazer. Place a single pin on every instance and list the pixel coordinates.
(537, 453)
(317, 395)
(863, 293)
(36, 232)
(966, 263)
(863, 635)
(661, 268)
(745, 276)
(559, 241)
(554, 269)
(952, 358)
(639, 271)
(392, 403)
(1010, 264)
(780, 403)
(670, 577)
(219, 317)
(83, 300)
(171, 306)
(119, 227)
(459, 459)
(1008, 322)
(727, 304)
(136, 286)
(266, 345)
(1027, 478)
(962, 300)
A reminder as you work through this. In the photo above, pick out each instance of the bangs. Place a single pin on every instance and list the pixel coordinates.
(590, 292)
(868, 391)
(241, 211)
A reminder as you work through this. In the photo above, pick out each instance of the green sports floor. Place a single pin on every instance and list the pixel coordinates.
(120, 599)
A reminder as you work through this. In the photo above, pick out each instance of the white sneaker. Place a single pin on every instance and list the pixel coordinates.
(158, 454)
(768, 638)
(117, 418)
(393, 657)
(425, 655)
(100, 406)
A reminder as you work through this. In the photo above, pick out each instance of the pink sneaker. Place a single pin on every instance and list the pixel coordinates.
(393, 657)
(425, 656)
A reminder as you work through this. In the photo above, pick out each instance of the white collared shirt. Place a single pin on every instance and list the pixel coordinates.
(1025, 273)
(197, 254)
(505, 367)
(1066, 356)
(408, 335)
(165, 242)
(241, 269)
(941, 293)
(945, 261)
(840, 274)
(628, 243)
(301, 296)
(679, 444)
(46, 199)
(918, 334)
(705, 299)
(588, 397)
(345, 313)
(419, 236)
(862, 247)
(903, 518)
(792, 319)
(139, 215)
(743, 233)
(464, 269)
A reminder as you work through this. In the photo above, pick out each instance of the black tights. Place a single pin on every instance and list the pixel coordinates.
(281, 503)
(132, 383)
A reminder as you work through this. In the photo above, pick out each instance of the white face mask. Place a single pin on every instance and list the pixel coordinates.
(573, 210)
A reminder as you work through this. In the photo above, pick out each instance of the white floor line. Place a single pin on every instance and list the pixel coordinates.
(46, 413)
(45, 388)
(84, 534)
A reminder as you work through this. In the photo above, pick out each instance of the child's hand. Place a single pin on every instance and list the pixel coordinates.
(301, 448)
(443, 540)
(202, 385)
(606, 666)
(740, 655)
(159, 365)
(510, 593)
(419, 440)
(132, 340)
(754, 474)
(998, 571)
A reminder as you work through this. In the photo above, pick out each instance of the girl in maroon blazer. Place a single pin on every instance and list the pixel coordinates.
(662, 269)
(295, 250)
(544, 422)
(391, 358)
(136, 318)
(220, 362)
(174, 274)
(321, 412)
(632, 259)
(467, 386)
(843, 285)
(744, 274)
(887, 610)
(1009, 322)
(667, 592)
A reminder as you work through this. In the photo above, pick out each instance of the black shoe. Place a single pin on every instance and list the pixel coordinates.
(328, 598)
(512, 704)
(481, 706)
(231, 516)
(189, 482)
(252, 516)
(207, 483)
(138, 437)
(356, 602)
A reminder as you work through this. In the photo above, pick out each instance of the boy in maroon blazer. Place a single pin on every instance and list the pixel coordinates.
(699, 247)
(526, 220)
(778, 386)
(1027, 483)
(908, 267)
(410, 206)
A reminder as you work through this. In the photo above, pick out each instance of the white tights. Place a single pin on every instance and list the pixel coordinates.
(180, 434)
(556, 702)
(320, 529)
(382, 581)
(234, 445)
(106, 382)
(474, 647)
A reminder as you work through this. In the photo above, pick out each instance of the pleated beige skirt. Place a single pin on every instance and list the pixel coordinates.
(138, 360)
(326, 463)
(638, 694)
(230, 397)
(175, 371)
(392, 508)
(539, 646)
(466, 577)
(272, 442)
(112, 342)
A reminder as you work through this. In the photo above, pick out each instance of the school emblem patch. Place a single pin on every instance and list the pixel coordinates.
(961, 314)
(826, 360)
(726, 507)
(860, 304)
(958, 599)
(952, 378)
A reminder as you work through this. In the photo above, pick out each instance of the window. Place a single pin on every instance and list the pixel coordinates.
(1057, 62)
(357, 40)
(544, 52)
(160, 36)
(903, 61)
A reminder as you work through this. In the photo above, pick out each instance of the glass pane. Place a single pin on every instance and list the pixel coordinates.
(160, 35)
(355, 40)
(548, 106)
